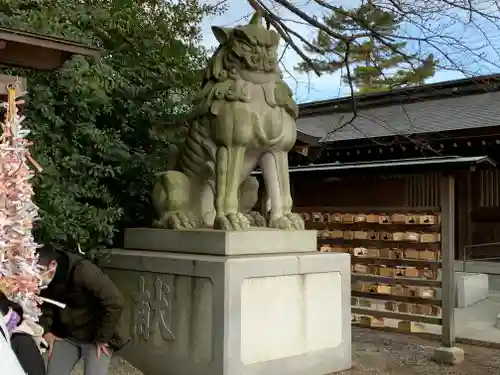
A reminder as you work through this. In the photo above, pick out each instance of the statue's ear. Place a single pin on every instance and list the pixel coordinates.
(221, 34)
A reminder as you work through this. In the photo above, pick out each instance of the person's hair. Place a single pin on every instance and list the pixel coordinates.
(6, 304)
(49, 254)
(46, 255)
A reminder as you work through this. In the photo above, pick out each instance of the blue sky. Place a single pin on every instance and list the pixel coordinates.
(309, 87)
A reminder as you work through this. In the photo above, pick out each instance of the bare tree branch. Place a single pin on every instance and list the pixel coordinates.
(464, 35)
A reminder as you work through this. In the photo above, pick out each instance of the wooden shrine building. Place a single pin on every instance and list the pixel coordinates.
(430, 123)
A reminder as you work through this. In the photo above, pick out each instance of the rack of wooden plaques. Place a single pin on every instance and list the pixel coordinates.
(396, 262)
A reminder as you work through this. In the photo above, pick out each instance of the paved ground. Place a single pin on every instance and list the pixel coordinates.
(476, 322)
(385, 353)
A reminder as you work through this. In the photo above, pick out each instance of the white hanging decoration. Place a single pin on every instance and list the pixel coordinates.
(21, 278)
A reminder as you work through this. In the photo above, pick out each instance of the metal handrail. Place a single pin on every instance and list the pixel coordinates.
(464, 252)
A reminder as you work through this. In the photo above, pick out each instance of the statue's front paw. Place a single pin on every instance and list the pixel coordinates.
(178, 220)
(289, 221)
(233, 221)
(256, 219)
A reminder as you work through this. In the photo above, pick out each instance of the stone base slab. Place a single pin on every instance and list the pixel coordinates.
(219, 242)
(216, 315)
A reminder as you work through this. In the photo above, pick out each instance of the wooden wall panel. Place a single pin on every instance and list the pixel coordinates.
(397, 190)
(361, 192)
(488, 188)
(422, 190)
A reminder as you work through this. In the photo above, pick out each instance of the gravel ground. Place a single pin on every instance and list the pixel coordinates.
(385, 353)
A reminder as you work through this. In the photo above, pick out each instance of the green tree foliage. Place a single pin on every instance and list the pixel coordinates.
(375, 64)
(95, 125)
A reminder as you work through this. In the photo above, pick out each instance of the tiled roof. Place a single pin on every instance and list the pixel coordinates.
(461, 112)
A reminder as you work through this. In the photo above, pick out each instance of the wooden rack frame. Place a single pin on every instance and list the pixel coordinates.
(446, 248)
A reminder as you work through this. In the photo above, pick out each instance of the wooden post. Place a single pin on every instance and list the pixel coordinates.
(19, 83)
(448, 353)
(447, 199)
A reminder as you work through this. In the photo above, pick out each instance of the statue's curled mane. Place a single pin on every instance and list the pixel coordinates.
(220, 82)
(216, 69)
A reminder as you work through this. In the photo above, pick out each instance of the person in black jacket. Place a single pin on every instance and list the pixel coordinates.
(89, 326)
(23, 344)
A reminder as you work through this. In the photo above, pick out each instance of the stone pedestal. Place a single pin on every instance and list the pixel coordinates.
(197, 306)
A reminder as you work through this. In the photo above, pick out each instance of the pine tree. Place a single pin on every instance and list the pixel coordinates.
(374, 66)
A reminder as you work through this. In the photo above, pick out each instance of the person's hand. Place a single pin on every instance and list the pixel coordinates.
(50, 338)
(102, 347)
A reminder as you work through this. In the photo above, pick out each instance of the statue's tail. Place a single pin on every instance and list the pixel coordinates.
(261, 134)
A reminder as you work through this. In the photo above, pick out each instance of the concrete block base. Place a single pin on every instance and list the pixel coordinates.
(497, 322)
(448, 356)
(194, 314)
(471, 288)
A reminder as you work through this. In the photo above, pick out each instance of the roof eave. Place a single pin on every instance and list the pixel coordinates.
(309, 139)
(440, 90)
(446, 164)
(34, 51)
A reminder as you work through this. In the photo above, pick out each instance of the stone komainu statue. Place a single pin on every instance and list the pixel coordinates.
(244, 116)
